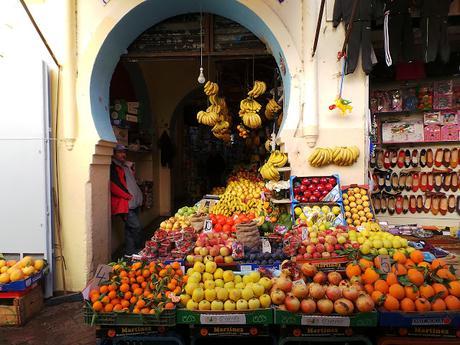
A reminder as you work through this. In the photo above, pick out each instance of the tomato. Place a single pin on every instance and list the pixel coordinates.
(226, 228)
(222, 221)
(251, 216)
(218, 228)
(213, 219)
(234, 228)
(230, 221)
(243, 219)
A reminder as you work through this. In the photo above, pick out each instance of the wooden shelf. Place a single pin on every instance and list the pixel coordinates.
(419, 143)
(282, 201)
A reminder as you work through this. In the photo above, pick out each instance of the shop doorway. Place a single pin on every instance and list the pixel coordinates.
(164, 99)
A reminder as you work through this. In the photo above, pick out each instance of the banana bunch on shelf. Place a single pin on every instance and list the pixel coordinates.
(278, 159)
(269, 172)
(249, 109)
(243, 132)
(207, 118)
(341, 156)
(211, 88)
(345, 156)
(271, 109)
(258, 89)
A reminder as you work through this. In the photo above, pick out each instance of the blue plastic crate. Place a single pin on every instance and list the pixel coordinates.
(21, 285)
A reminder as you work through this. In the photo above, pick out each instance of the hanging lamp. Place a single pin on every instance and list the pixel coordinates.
(201, 79)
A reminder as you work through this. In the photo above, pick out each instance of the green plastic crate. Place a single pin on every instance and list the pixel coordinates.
(283, 317)
(166, 318)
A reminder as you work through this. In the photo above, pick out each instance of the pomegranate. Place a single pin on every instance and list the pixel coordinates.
(325, 306)
(334, 278)
(292, 303)
(343, 306)
(308, 306)
(308, 270)
(300, 291)
(350, 293)
(277, 296)
(284, 284)
(317, 291)
(364, 303)
(320, 278)
(333, 292)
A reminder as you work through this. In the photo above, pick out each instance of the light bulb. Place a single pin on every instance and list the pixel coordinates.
(201, 78)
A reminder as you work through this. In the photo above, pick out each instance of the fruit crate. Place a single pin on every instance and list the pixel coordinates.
(17, 308)
(339, 219)
(449, 319)
(166, 318)
(237, 317)
(22, 285)
(334, 194)
(345, 189)
(283, 317)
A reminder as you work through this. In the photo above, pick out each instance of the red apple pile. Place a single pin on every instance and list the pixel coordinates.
(211, 246)
(315, 292)
(313, 189)
(169, 244)
(317, 243)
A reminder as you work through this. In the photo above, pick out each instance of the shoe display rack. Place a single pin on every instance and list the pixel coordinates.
(416, 181)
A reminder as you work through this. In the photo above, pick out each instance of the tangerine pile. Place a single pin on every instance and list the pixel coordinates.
(412, 284)
(140, 288)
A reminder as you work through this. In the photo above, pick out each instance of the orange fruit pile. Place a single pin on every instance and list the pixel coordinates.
(141, 288)
(412, 284)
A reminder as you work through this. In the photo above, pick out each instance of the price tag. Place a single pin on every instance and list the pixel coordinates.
(385, 264)
(245, 268)
(304, 234)
(266, 247)
(324, 320)
(299, 282)
(223, 319)
(207, 226)
(360, 228)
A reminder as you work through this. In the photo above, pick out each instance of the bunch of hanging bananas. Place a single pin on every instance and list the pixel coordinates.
(211, 88)
(345, 156)
(249, 109)
(258, 89)
(278, 159)
(341, 155)
(207, 118)
(221, 130)
(269, 172)
(243, 132)
(271, 109)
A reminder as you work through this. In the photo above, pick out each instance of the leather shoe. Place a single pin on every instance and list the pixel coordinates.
(386, 160)
(454, 158)
(399, 204)
(435, 205)
(395, 182)
(454, 182)
(405, 204)
(427, 204)
(447, 157)
(451, 204)
(443, 205)
(376, 203)
(393, 158)
(412, 204)
(423, 158)
(447, 182)
(383, 204)
(430, 182)
(423, 181)
(437, 182)
(415, 182)
(407, 158)
(429, 158)
(408, 182)
(391, 205)
(388, 181)
(401, 159)
(415, 159)
(419, 204)
(438, 157)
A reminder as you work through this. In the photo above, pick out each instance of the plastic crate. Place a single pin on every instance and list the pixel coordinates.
(21, 285)
(166, 318)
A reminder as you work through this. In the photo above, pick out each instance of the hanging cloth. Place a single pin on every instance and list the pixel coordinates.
(167, 150)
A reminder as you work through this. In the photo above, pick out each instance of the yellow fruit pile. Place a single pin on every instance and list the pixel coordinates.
(357, 206)
(12, 270)
(379, 242)
(212, 288)
(241, 195)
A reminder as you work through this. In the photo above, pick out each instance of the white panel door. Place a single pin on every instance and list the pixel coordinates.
(25, 205)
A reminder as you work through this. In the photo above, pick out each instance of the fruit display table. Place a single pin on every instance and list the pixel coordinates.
(416, 340)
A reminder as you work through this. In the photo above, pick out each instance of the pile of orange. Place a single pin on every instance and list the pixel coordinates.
(141, 288)
(412, 284)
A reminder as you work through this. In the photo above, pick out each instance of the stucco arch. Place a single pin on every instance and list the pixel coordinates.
(127, 19)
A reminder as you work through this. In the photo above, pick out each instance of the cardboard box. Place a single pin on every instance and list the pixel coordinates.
(432, 133)
(450, 132)
(402, 131)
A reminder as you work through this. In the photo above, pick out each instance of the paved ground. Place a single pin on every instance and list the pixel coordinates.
(60, 324)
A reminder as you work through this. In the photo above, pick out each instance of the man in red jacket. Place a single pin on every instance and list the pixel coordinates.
(126, 198)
